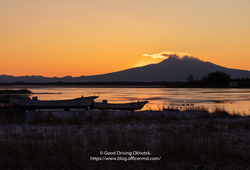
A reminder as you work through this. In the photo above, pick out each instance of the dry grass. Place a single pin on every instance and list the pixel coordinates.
(202, 109)
(221, 112)
(48, 141)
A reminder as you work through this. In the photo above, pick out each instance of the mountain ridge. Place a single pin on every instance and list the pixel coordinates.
(170, 69)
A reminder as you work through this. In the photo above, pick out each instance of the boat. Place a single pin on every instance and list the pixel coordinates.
(104, 105)
(24, 103)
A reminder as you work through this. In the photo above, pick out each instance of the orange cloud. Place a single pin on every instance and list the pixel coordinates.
(158, 57)
(166, 54)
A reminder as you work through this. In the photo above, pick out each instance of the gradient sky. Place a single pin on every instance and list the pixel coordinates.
(80, 37)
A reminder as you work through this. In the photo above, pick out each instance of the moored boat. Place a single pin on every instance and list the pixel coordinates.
(25, 103)
(119, 106)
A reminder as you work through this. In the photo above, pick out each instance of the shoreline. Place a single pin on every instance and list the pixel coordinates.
(178, 84)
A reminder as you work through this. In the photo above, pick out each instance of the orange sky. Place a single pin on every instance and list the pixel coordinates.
(61, 37)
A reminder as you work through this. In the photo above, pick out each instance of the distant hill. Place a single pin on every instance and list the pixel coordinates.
(38, 79)
(171, 69)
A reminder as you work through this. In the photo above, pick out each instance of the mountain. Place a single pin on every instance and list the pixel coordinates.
(171, 69)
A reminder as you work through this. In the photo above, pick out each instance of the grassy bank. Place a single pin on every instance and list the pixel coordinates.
(6, 94)
(175, 140)
(22, 91)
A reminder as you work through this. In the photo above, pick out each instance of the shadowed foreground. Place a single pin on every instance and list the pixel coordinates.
(75, 139)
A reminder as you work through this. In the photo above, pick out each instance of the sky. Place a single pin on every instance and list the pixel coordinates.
(89, 37)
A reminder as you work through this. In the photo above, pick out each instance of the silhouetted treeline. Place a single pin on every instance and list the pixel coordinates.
(217, 79)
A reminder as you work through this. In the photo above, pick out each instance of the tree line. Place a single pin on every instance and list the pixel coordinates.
(217, 79)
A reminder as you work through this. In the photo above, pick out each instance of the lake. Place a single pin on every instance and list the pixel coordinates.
(234, 100)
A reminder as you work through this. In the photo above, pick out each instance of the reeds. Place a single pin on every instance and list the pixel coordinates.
(221, 112)
(67, 141)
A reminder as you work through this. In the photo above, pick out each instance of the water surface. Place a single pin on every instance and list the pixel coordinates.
(231, 99)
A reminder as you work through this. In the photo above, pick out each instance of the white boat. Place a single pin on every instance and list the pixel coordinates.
(119, 106)
(25, 103)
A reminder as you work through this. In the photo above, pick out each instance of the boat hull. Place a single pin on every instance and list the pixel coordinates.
(27, 103)
(119, 106)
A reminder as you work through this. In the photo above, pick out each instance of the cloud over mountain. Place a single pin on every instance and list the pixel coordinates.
(166, 54)
(158, 57)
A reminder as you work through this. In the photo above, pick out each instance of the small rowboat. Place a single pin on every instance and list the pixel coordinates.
(119, 106)
(25, 103)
